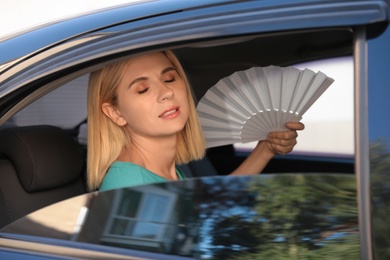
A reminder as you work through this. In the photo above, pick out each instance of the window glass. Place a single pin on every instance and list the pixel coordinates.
(64, 107)
(329, 121)
(139, 214)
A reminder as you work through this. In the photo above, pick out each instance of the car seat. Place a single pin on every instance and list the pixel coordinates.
(39, 165)
(199, 168)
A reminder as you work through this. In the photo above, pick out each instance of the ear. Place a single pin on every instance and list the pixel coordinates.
(114, 114)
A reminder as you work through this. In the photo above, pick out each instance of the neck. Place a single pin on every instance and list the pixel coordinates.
(155, 154)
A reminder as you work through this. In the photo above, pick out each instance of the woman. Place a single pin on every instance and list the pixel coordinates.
(142, 122)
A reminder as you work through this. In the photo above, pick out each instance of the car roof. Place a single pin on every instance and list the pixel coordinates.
(277, 15)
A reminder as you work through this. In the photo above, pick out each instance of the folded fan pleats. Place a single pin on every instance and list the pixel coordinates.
(247, 105)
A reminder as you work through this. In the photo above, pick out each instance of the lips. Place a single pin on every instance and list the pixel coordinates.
(170, 113)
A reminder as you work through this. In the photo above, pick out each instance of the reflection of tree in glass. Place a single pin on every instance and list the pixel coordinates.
(380, 188)
(217, 195)
(216, 200)
(287, 217)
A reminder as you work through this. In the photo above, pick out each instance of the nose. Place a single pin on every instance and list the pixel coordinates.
(166, 92)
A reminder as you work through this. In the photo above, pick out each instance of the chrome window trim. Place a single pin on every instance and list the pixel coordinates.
(362, 163)
(42, 249)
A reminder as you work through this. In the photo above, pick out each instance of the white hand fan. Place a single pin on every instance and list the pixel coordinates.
(247, 105)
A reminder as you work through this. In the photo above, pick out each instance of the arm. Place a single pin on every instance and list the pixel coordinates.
(276, 143)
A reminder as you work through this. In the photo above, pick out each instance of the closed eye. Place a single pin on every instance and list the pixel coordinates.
(143, 91)
(169, 75)
(170, 80)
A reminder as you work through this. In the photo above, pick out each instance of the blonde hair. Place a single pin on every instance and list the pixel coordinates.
(106, 139)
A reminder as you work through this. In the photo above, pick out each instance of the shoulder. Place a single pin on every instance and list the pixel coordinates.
(124, 174)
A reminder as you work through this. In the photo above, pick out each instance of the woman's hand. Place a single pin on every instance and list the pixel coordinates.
(283, 142)
(277, 143)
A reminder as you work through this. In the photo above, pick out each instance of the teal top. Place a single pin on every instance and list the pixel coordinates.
(126, 174)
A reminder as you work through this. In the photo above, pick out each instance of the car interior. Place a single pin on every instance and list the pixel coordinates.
(42, 163)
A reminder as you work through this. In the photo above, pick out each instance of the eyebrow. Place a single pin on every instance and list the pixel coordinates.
(145, 78)
(168, 69)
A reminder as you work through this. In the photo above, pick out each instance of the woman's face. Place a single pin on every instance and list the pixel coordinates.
(152, 98)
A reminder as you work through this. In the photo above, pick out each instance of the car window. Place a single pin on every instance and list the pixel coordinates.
(211, 218)
(329, 121)
(64, 107)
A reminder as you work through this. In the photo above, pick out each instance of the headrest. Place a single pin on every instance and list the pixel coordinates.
(44, 157)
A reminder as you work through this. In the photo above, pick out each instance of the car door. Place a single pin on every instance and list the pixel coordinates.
(71, 51)
(378, 138)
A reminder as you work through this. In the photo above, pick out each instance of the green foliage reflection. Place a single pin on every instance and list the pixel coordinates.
(380, 189)
(288, 217)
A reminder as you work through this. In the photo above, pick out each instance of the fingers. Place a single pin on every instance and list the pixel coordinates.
(295, 126)
(284, 139)
(284, 135)
(283, 142)
(281, 149)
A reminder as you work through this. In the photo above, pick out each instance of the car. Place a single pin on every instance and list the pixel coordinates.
(316, 202)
